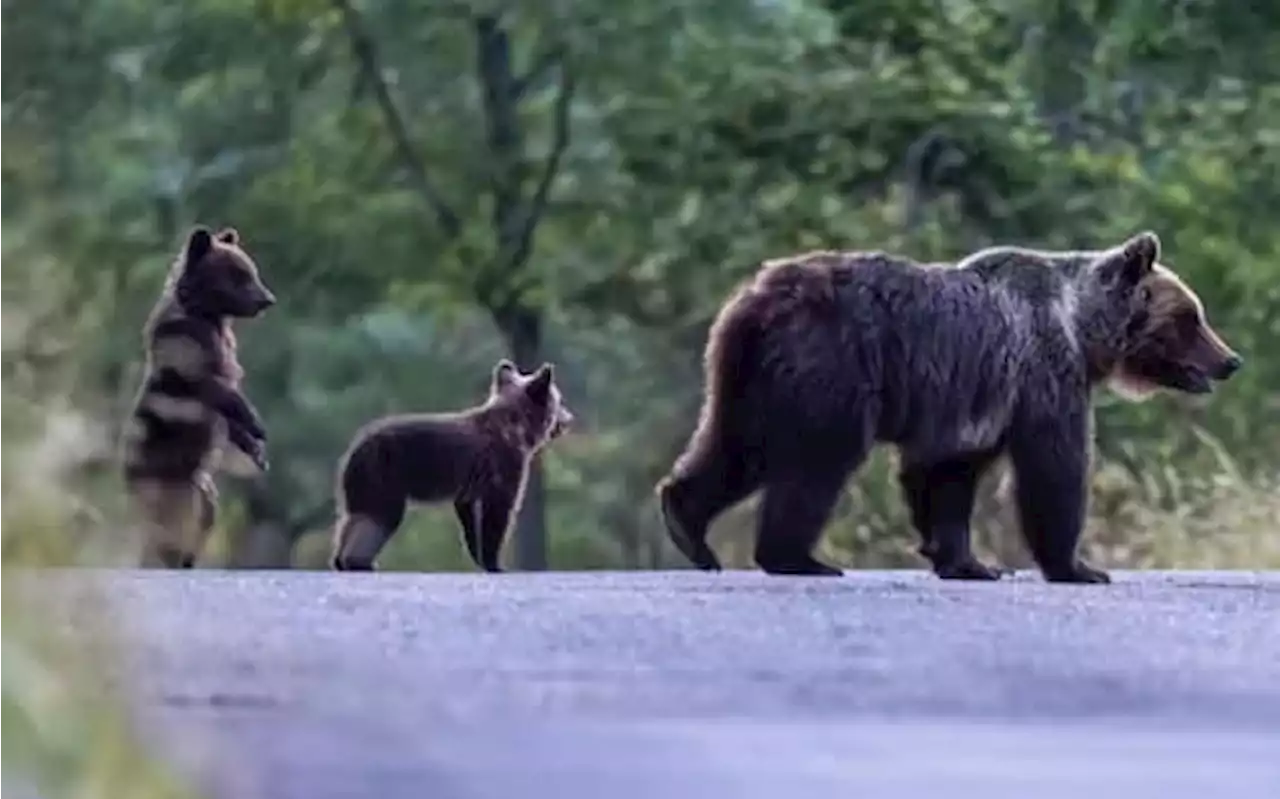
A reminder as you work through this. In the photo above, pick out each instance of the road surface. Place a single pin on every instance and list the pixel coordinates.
(683, 684)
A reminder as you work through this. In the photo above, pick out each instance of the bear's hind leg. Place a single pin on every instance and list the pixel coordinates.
(170, 516)
(372, 504)
(207, 515)
(940, 498)
(358, 539)
(792, 516)
(691, 501)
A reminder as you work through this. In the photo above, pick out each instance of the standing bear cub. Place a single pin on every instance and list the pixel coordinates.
(817, 358)
(479, 458)
(190, 417)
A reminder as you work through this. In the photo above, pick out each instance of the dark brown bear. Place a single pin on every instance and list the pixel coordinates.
(817, 358)
(478, 458)
(190, 417)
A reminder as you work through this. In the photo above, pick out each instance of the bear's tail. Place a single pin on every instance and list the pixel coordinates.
(732, 346)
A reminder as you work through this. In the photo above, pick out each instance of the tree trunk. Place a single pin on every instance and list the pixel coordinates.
(262, 545)
(265, 542)
(522, 330)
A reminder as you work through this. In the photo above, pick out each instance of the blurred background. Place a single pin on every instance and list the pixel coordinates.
(431, 186)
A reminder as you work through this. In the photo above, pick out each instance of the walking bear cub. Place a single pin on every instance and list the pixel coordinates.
(817, 358)
(479, 458)
(190, 417)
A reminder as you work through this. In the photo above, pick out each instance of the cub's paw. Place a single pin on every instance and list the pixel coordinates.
(341, 563)
(258, 454)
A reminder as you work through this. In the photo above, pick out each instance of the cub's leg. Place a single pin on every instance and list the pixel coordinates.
(469, 513)
(492, 517)
(170, 513)
(246, 456)
(1050, 459)
(357, 541)
(235, 407)
(940, 498)
(206, 510)
(371, 508)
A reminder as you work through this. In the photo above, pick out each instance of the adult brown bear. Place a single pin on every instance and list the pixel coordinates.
(817, 358)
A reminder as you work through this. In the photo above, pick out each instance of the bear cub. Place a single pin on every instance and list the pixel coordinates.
(819, 357)
(190, 417)
(478, 458)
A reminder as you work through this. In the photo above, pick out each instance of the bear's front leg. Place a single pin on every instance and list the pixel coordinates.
(1050, 452)
(236, 408)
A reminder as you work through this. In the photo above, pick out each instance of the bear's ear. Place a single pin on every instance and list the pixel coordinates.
(1144, 248)
(539, 387)
(1132, 261)
(504, 373)
(199, 242)
(1140, 254)
(229, 235)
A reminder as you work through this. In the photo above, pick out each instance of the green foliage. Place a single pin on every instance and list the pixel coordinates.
(66, 732)
(361, 152)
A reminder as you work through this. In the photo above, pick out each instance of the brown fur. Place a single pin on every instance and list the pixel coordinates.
(478, 458)
(190, 418)
(1174, 345)
(817, 358)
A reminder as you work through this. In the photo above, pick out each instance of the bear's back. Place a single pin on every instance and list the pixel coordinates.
(933, 352)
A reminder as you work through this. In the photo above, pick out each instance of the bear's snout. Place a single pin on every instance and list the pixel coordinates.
(265, 300)
(1214, 357)
(1228, 367)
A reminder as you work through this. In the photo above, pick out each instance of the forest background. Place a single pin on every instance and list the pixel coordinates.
(431, 186)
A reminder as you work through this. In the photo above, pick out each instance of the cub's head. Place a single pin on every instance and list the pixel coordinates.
(214, 277)
(1168, 343)
(536, 396)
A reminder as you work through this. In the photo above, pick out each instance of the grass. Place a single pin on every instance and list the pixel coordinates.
(65, 733)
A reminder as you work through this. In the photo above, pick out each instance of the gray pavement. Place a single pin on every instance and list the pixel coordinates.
(674, 684)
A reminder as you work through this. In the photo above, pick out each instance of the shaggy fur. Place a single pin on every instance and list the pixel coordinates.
(478, 458)
(817, 358)
(190, 417)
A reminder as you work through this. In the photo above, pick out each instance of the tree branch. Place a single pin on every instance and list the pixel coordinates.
(366, 54)
(505, 165)
(550, 57)
(537, 204)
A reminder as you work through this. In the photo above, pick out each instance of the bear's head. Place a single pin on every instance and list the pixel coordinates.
(216, 279)
(1167, 341)
(542, 411)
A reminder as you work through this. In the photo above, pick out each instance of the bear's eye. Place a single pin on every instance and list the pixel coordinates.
(1188, 322)
(241, 277)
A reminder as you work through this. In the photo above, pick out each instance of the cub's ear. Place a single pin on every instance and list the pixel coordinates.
(199, 242)
(504, 373)
(1132, 261)
(539, 387)
(229, 235)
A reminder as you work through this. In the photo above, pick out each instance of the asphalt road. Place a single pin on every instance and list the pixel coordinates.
(682, 684)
